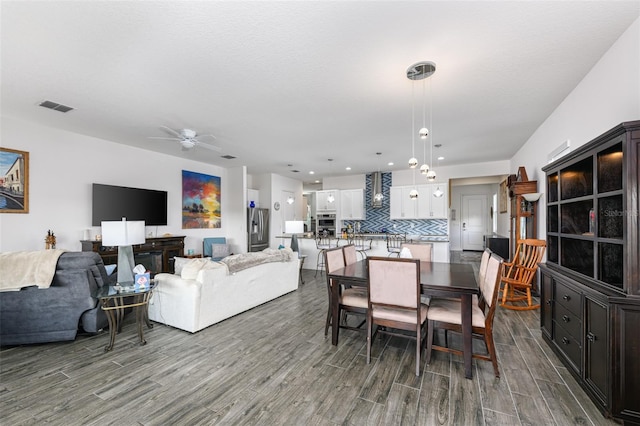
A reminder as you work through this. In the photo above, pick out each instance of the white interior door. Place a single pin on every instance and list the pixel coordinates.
(474, 223)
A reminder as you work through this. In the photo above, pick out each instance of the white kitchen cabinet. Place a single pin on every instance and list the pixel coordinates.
(323, 203)
(352, 204)
(400, 205)
(430, 207)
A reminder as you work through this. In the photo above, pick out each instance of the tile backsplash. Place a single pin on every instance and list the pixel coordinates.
(377, 219)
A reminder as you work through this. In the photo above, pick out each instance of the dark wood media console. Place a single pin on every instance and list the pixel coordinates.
(156, 254)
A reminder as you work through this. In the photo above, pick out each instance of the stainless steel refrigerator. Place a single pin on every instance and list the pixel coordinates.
(258, 229)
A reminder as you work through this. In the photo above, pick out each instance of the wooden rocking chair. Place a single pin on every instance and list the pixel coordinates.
(518, 275)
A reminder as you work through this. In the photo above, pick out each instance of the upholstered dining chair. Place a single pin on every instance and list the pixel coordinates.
(394, 243)
(351, 300)
(394, 301)
(350, 254)
(518, 275)
(423, 252)
(447, 315)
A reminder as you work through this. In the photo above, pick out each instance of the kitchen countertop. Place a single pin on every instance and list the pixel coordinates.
(382, 236)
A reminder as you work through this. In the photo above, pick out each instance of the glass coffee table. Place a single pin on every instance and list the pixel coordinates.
(114, 299)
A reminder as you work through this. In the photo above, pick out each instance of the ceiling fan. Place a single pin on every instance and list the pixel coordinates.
(187, 138)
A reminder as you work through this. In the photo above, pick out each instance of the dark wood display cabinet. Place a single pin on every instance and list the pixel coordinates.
(590, 283)
(156, 254)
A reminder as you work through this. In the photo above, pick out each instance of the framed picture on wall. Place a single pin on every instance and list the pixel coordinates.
(201, 203)
(503, 199)
(14, 181)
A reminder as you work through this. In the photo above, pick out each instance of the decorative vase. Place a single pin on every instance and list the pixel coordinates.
(252, 204)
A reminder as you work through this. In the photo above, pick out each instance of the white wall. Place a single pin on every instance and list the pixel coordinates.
(345, 182)
(608, 95)
(444, 173)
(62, 167)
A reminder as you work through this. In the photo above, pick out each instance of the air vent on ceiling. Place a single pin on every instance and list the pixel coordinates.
(56, 106)
(295, 171)
(228, 157)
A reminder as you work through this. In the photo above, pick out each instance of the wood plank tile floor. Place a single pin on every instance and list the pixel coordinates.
(273, 365)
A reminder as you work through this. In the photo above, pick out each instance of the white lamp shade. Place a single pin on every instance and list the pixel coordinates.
(294, 227)
(123, 233)
(534, 196)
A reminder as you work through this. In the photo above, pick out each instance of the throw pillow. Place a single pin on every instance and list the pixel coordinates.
(213, 271)
(218, 251)
(178, 264)
(190, 269)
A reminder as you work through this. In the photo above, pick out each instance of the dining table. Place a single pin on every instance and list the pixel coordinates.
(437, 279)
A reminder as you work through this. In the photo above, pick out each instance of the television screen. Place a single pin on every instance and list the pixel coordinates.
(115, 202)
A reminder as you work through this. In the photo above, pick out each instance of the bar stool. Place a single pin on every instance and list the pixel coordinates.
(323, 243)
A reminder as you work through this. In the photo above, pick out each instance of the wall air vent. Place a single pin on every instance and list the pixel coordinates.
(55, 106)
(228, 157)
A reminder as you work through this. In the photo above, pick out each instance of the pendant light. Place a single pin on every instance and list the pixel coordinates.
(421, 71)
(438, 193)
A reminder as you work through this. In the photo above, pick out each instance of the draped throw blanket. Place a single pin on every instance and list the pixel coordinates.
(26, 268)
(238, 262)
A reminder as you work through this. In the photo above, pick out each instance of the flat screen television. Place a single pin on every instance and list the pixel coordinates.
(115, 202)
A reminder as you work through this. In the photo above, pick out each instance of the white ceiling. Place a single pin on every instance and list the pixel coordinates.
(300, 83)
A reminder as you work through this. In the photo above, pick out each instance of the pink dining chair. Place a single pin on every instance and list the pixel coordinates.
(351, 300)
(350, 254)
(423, 252)
(394, 301)
(447, 315)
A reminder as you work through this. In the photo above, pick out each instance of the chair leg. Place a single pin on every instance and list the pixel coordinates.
(328, 322)
(369, 327)
(418, 347)
(429, 340)
(491, 348)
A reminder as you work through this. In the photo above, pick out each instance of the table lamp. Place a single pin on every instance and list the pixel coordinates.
(294, 227)
(123, 234)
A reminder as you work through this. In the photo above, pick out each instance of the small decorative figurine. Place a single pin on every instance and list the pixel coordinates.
(50, 240)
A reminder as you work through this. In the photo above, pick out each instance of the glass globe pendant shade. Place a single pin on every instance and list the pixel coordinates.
(413, 194)
(424, 169)
(438, 193)
(431, 175)
(413, 162)
(424, 132)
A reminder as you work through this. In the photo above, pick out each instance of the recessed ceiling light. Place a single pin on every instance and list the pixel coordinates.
(440, 158)
(390, 163)
(312, 172)
(317, 181)
(348, 168)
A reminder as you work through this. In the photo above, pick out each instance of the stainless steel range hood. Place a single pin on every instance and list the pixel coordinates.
(376, 188)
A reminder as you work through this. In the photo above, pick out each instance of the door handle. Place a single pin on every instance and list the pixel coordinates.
(464, 226)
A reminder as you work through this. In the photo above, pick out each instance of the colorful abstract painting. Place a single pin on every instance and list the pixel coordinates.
(200, 201)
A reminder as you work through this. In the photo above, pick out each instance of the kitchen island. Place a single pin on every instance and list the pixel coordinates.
(307, 245)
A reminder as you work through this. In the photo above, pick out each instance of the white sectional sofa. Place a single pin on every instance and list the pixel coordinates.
(203, 292)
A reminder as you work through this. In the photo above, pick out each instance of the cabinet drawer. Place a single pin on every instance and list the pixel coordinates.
(570, 322)
(568, 346)
(568, 298)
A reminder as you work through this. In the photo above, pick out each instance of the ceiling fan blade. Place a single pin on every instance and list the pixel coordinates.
(163, 138)
(208, 146)
(173, 132)
(206, 136)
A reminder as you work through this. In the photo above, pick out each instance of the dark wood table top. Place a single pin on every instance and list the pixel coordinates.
(436, 277)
